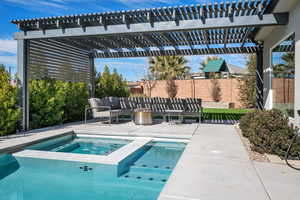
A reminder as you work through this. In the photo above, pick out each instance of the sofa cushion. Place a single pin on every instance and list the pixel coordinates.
(114, 102)
(96, 102)
(106, 101)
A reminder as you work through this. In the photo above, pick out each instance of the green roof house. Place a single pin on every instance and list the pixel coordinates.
(216, 66)
(220, 68)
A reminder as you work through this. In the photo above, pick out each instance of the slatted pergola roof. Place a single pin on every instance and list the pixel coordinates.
(219, 28)
(65, 47)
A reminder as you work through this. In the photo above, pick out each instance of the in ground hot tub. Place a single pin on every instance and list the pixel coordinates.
(81, 145)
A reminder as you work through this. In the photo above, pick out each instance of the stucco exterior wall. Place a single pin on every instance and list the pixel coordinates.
(276, 36)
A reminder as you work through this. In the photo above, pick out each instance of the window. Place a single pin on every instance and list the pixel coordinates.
(283, 76)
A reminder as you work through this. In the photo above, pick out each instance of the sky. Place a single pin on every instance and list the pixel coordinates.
(131, 68)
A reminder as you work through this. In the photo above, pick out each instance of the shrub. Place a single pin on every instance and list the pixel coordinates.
(54, 102)
(9, 111)
(47, 100)
(76, 96)
(269, 132)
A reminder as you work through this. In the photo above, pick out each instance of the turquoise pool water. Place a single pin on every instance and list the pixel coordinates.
(82, 145)
(40, 179)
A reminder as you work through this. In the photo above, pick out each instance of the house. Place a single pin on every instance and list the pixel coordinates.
(135, 87)
(220, 68)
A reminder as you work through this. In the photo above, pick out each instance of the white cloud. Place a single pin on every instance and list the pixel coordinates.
(8, 51)
(40, 3)
(8, 46)
(8, 60)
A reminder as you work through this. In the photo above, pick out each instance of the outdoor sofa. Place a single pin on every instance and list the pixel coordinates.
(112, 107)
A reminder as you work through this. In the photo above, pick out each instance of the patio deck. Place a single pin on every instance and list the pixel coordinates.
(214, 166)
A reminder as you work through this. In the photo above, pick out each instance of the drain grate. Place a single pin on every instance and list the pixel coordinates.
(86, 168)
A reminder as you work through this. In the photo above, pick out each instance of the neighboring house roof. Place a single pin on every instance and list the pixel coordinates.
(215, 66)
(132, 84)
(236, 70)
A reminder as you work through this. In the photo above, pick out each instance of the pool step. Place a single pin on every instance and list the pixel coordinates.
(150, 169)
(148, 177)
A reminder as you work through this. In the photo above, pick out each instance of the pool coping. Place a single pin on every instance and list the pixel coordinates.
(18, 144)
(113, 158)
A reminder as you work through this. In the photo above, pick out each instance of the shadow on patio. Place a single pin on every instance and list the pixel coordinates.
(223, 116)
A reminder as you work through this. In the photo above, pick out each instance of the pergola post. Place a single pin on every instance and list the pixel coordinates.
(259, 78)
(23, 55)
(92, 77)
(297, 79)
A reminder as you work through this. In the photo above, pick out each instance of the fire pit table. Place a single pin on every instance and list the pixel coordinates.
(143, 116)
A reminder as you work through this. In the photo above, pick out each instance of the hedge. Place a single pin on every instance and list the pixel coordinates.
(54, 102)
(9, 111)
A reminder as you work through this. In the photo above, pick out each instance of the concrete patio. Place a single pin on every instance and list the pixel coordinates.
(214, 166)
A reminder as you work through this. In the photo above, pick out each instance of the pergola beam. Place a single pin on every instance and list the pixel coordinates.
(184, 52)
(163, 26)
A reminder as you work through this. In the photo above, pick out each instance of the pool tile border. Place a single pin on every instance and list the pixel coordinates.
(114, 158)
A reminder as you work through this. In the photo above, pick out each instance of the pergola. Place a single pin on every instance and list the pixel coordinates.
(65, 47)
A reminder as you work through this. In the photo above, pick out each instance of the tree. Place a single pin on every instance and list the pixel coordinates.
(215, 90)
(119, 85)
(149, 82)
(9, 111)
(247, 84)
(171, 88)
(204, 62)
(287, 67)
(168, 67)
(110, 84)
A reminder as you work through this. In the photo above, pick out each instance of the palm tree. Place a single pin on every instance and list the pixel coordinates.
(288, 65)
(168, 67)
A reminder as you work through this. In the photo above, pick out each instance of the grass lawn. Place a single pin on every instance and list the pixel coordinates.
(223, 114)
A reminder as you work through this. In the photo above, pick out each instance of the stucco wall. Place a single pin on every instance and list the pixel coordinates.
(273, 38)
(199, 89)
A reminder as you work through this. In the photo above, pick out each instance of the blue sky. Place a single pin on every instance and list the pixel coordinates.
(131, 68)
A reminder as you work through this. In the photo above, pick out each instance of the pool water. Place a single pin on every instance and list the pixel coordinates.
(35, 179)
(83, 145)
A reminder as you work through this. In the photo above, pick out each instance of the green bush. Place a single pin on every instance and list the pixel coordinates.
(9, 111)
(47, 101)
(270, 132)
(54, 102)
(76, 96)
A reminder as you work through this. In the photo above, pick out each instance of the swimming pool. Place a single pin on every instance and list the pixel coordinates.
(146, 173)
(81, 145)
